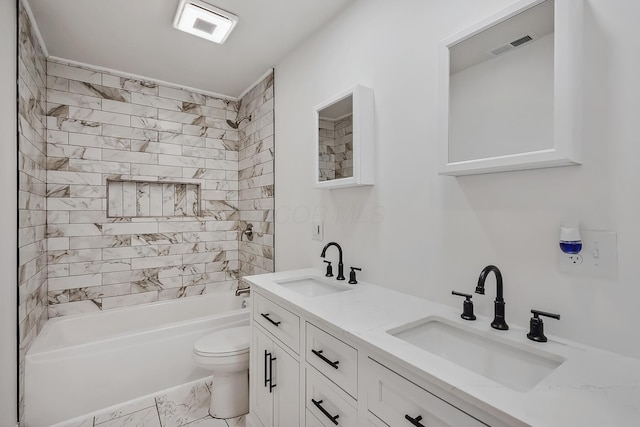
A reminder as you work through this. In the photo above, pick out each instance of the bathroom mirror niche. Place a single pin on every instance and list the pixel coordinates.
(344, 140)
(510, 90)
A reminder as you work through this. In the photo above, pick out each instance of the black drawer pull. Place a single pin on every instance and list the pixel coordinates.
(266, 357)
(266, 316)
(271, 384)
(415, 421)
(333, 418)
(329, 362)
(268, 382)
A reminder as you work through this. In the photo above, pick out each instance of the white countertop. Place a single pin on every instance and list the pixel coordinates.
(592, 387)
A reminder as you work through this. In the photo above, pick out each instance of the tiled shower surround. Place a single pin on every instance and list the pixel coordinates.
(188, 182)
(336, 148)
(256, 178)
(155, 140)
(343, 134)
(32, 274)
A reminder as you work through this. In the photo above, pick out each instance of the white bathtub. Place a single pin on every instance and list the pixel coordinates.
(86, 362)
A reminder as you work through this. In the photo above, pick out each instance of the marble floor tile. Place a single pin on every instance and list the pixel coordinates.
(144, 418)
(236, 422)
(208, 422)
(76, 422)
(183, 405)
(186, 405)
(126, 409)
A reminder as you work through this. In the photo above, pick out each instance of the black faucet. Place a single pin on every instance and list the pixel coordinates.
(340, 266)
(498, 319)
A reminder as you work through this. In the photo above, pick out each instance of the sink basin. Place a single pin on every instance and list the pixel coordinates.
(505, 363)
(312, 286)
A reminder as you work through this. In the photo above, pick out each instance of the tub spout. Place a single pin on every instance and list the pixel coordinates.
(241, 291)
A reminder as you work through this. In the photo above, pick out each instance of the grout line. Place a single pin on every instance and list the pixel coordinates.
(158, 411)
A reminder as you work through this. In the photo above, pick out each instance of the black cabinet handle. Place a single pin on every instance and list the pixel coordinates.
(266, 356)
(329, 362)
(271, 384)
(266, 316)
(415, 421)
(333, 418)
(268, 375)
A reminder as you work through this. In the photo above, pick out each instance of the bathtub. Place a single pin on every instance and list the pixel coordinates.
(82, 363)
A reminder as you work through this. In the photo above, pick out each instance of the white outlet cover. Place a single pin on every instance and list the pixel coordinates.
(599, 256)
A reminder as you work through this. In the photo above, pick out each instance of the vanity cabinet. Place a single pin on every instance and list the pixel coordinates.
(307, 372)
(275, 388)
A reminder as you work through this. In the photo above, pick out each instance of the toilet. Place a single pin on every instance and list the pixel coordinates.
(226, 354)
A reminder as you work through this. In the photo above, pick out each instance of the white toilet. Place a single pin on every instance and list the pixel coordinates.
(226, 354)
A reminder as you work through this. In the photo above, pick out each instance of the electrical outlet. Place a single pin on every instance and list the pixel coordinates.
(316, 232)
(574, 258)
(598, 257)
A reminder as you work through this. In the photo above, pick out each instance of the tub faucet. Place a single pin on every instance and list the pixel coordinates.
(340, 266)
(498, 318)
(241, 291)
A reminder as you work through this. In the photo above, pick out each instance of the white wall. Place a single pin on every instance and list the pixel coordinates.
(503, 105)
(8, 215)
(426, 234)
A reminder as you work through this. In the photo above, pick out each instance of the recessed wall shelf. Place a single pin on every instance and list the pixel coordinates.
(152, 199)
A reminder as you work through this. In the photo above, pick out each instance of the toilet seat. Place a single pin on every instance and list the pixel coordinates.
(224, 343)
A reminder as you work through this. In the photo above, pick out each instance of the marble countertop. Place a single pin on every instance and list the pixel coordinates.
(592, 387)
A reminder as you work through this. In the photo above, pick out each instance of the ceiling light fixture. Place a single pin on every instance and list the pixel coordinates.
(203, 20)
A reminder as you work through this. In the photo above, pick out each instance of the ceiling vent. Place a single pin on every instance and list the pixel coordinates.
(204, 20)
(519, 41)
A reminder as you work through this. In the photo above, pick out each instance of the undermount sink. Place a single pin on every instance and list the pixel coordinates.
(312, 286)
(507, 364)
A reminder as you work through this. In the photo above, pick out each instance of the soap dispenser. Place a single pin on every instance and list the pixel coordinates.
(329, 269)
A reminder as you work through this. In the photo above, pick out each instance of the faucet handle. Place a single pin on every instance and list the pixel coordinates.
(467, 306)
(329, 269)
(536, 326)
(352, 275)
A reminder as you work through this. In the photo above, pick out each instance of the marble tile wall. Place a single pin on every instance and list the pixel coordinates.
(327, 153)
(343, 134)
(106, 127)
(139, 199)
(336, 148)
(256, 183)
(32, 273)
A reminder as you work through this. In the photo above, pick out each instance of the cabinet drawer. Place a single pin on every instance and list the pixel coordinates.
(311, 420)
(335, 359)
(330, 405)
(394, 400)
(282, 323)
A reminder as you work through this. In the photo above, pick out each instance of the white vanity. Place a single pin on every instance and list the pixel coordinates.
(326, 353)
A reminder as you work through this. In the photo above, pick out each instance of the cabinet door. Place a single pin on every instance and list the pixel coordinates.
(286, 378)
(399, 402)
(263, 402)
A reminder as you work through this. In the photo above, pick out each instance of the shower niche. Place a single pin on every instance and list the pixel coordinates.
(344, 148)
(152, 199)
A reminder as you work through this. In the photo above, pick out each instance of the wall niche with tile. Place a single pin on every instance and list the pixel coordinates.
(152, 199)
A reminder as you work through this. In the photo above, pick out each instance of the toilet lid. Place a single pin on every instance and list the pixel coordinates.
(225, 342)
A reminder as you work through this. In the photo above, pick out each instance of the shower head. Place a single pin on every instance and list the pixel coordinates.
(235, 124)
